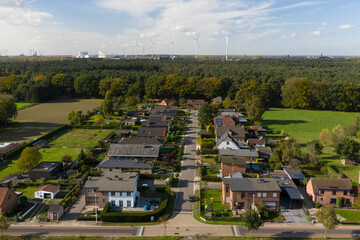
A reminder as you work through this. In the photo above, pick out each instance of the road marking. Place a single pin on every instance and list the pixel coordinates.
(140, 231)
(183, 212)
(235, 230)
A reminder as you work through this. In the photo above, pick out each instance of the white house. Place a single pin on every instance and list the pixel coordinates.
(117, 188)
(47, 191)
(226, 142)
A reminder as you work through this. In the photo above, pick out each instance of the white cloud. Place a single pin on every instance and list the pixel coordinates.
(346, 26)
(315, 33)
(292, 35)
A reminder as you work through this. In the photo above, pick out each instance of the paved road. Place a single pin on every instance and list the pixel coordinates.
(72, 231)
(186, 181)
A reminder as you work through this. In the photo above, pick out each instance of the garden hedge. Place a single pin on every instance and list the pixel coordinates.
(209, 151)
(211, 178)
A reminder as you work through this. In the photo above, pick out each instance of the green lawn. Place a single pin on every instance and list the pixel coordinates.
(216, 204)
(20, 106)
(350, 215)
(304, 125)
(113, 119)
(56, 154)
(210, 170)
(82, 138)
(28, 191)
(208, 159)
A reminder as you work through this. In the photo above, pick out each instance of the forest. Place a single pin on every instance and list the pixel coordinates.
(331, 84)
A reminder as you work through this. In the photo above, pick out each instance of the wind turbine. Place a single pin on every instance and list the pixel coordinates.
(226, 46)
(152, 48)
(197, 45)
(171, 48)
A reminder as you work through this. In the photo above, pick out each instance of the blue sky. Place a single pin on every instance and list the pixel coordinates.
(254, 27)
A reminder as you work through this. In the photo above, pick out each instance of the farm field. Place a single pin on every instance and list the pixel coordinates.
(43, 118)
(81, 138)
(20, 106)
(306, 125)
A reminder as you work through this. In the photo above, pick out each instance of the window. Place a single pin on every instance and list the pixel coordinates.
(112, 193)
(270, 205)
(227, 143)
(129, 203)
(334, 192)
(91, 190)
(264, 194)
(332, 200)
(128, 194)
(120, 194)
(242, 195)
(110, 169)
(104, 200)
(120, 203)
(227, 189)
(322, 191)
(90, 201)
(112, 204)
(345, 192)
(259, 194)
(347, 201)
(274, 194)
(104, 193)
(321, 199)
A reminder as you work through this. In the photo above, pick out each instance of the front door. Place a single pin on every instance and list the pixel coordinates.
(55, 216)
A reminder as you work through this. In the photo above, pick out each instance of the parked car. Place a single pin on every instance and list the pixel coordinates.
(191, 198)
(160, 171)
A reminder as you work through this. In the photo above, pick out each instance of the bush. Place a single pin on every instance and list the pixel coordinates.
(209, 151)
(309, 218)
(211, 179)
(339, 202)
(154, 176)
(88, 218)
(317, 205)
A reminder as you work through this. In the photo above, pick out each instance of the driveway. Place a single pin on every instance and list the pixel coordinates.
(294, 216)
(75, 209)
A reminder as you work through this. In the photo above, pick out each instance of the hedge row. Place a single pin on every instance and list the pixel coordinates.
(132, 216)
(70, 196)
(34, 184)
(209, 151)
(207, 136)
(226, 219)
(18, 150)
(167, 149)
(154, 176)
(97, 127)
(211, 178)
(88, 218)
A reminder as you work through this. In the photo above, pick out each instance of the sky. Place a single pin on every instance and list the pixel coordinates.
(254, 27)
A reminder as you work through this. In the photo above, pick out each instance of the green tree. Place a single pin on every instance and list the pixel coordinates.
(351, 130)
(356, 122)
(252, 89)
(66, 159)
(337, 134)
(76, 118)
(29, 158)
(86, 85)
(296, 93)
(7, 110)
(327, 216)
(108, 105)
(228, 103)
(98, 119)
(348, 148)
(205, 115)
(254, 109)
(132, 100)
(252, 220)
(4, 224)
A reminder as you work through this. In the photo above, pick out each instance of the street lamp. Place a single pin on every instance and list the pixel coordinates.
(96, 215)
(211, 199)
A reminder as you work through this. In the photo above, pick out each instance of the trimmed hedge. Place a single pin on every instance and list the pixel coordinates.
(211, 178)
(154, 176)
(18, 150)
(167, 149)
(70, 196)
(88, 218)
(209, 151)
(209, 135)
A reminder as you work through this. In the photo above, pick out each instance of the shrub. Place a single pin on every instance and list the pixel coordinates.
(339, 202)
(317, 205)
(211, 178)
(309, 218)
(209, 151)
(154, 176)
(88, 218)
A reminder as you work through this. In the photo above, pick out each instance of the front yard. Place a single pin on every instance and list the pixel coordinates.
(212, 199)
(350, 215)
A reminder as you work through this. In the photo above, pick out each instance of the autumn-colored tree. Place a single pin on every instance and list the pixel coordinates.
(228, 103)
(4, 224)
(325, 136)
(296, 93)
(132, 100)
(327, 216)
(252, 89)
(107, 106)
(254, 109)
(337, 134)
(29, 158)
(98, 119)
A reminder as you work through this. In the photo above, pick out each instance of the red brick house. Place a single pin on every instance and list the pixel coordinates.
(8, 200)
(326, 190)
(195, 103)
(241, 193)
(232, 164)
(224, 121)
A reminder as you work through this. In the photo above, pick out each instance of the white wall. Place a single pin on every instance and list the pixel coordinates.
(40, 194)
(228, 145)
(124, 198)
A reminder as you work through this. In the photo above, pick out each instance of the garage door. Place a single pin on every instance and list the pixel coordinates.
(270, 205)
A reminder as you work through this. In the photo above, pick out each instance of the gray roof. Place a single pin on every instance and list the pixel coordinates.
(128, 163)
(294, 193)
(136, 140)
(236, 132)
(239, 152)
(252, 184)
(157, 124)
(234, 160)
(133, 150)
(151, 132)
(223, 138)
(54, 207)
(113, 182)
(294, 173)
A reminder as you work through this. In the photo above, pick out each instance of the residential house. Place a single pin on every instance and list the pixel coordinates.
(226, 142)
(156, 124)
(48, 191)
(120, 189)
(230, 113)
(249, 154)
(237, 133)
(326, 190)
(195, 103)
(123, 132)
(224, 121)
(108, 165)
(245, 192)
(264, 152)
(161, 109)
(161, 117)
(257, 131)
(8, 147)
(131, 122)
(55, 211)
(137, 140)
(46, 170)
(134, 151)
(295, 174)
(167, 102)
(217, 100)
(8, 200)
(254, 142)
(232, 164)
(156, 133)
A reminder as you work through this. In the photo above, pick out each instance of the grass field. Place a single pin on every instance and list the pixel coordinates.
(56, 154)
(350, 215)
(20, 106)
(306, 125)
(84, 138)
(28, 192)
(45, 117)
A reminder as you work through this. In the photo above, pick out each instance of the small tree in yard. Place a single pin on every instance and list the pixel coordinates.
(4, 224)
(325, 136)
(29, 158)
(252, 220)
(67, 159)
(327, 216)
